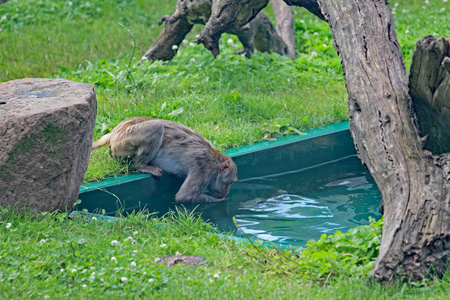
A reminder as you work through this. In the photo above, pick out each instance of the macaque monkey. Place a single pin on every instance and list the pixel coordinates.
(156, 145)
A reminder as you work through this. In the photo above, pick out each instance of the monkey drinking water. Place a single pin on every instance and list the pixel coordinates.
(156, 145)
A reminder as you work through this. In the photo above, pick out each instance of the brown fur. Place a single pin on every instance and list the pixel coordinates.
(156, 145)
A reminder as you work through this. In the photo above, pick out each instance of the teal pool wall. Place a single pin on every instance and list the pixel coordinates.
(286, 154)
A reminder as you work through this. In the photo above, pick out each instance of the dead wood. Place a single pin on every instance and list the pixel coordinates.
(429, 87)
(253, 31)
(284, 25)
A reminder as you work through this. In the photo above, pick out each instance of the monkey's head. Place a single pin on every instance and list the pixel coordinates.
(221, 183)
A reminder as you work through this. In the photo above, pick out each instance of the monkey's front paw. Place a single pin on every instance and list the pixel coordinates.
(218, 199)
(154, 170)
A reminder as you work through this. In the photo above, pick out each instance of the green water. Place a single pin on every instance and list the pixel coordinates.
(296, 206)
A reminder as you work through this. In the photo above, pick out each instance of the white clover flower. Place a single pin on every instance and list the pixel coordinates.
(302, 21)
(43, 241)
(135, 251)
(174, 47)
(406, 31)
(70, 3)
(93, 274)
(133, 264)
(144, 58)
(8, 225)
(185, 42)
(135, 232)
(84, 286)
(427, 2)
(114, 242)
(314, 53)
(163, 245)
(444, 1)
(145, 273)
(288, 80)
(73, 271)
(129, 238)
(94, 219)
(177, 253)
(197, 36)
(113, 259)
(157, 259)
(229, 42)
(404, 11)
(316, 33)
(216, 275)
(192, 60)
(396, 4)
(324, 45)
(124, 279)
(151, 280)
(46, 297)
(62, 270)
(442, 9)
(211, 280)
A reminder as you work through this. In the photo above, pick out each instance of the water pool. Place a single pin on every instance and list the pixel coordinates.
(289, 191)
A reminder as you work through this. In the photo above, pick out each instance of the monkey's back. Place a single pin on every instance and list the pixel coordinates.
(183, 149)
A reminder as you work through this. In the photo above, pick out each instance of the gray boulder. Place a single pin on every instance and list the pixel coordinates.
(46, 131)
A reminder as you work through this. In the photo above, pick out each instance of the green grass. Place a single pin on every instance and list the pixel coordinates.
(228, 99)
(52, 257)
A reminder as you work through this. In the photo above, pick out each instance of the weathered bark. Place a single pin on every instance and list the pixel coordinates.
(258, 33)
(429, 85)
(285, 25)
(310, 5)
(175, 29)
(415, 184)
(226, 14)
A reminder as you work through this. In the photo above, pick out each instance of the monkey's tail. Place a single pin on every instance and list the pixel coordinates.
(104, 140)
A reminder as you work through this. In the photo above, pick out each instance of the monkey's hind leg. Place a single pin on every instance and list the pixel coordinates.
(146, 139)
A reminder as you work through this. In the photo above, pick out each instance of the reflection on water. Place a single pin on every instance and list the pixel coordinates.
(297, 206)
(286, 206)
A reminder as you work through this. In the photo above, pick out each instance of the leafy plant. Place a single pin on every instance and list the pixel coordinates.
(278, 128)
(350, 254)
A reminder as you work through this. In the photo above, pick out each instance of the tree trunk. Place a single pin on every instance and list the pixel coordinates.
(225, 15)
(310, 5)
(258, 33)
(429, 85)
(285, 25)
(415, 184)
